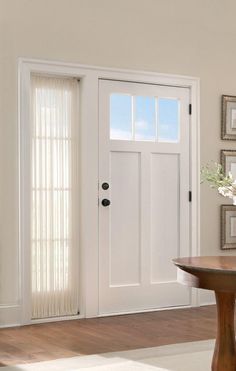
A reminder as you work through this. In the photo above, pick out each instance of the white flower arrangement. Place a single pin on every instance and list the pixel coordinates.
(215, 176)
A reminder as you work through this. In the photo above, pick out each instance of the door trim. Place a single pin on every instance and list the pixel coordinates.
(89, 77)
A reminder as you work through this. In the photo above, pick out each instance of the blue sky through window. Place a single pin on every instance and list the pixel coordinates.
(168, 120)
(145, 121)
(121, 116)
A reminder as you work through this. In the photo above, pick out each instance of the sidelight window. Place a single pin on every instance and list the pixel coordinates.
(54, 189)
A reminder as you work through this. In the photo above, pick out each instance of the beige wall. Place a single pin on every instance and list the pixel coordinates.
(188, 37)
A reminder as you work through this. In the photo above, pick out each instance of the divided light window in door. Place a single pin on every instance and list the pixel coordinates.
(144, 118)
(54, 196)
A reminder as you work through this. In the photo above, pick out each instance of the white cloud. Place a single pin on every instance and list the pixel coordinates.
(141, 124)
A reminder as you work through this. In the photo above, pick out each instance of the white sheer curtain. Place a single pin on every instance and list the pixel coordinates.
(54, 196)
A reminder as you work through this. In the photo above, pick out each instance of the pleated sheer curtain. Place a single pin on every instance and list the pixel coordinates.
(54, 196)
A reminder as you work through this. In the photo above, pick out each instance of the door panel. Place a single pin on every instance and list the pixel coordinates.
(164, 216)
(144, 156)
(124, 243)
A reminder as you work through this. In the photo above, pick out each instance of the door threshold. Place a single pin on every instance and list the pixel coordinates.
(145, 311)
(55, 319)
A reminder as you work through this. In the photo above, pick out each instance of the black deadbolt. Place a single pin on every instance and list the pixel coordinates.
(105, 186)
(106, 202)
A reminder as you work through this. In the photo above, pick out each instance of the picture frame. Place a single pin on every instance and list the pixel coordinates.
(228, 161)
(228, 227)
(228, 117)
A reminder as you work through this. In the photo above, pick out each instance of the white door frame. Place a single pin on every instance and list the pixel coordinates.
(89, 77)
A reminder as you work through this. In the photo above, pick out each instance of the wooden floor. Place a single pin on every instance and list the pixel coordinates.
(89, 336)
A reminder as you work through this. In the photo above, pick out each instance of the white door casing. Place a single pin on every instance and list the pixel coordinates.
(147, 223)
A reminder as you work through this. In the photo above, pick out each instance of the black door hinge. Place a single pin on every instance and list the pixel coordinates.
(190, 109)
(190, 196)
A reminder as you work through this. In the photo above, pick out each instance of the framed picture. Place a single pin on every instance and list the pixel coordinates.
(228, 117)
(228, 227)
(228, 161)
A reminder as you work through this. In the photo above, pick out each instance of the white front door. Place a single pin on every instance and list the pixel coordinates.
(144, 174)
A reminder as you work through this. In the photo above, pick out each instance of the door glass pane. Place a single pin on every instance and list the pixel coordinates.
(168, 120)
(145, 122)
(120, 116)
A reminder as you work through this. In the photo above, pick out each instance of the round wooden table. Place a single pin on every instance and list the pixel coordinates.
(216, 273)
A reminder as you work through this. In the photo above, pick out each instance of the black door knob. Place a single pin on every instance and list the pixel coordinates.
(105, 202)
(105, 186)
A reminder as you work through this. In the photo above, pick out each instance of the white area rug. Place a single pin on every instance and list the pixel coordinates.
(194, 356)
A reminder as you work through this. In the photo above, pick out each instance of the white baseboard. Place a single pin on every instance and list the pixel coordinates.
(206, 297)
(10, 315)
